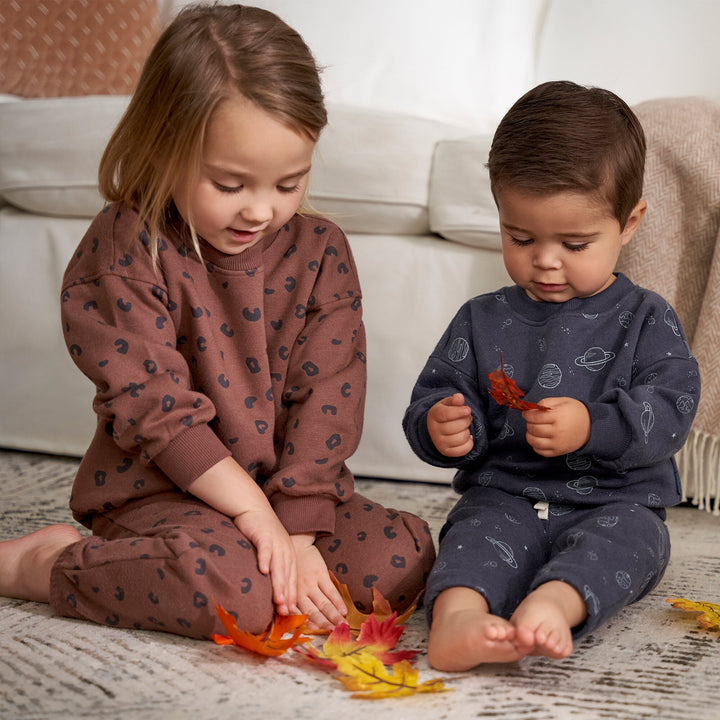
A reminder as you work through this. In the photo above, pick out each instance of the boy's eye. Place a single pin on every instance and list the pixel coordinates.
(521, 243)
(576, 247)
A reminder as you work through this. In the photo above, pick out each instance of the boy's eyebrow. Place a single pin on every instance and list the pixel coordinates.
(578, 234)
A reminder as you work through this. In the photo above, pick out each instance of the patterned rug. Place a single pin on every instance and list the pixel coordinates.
(652, 661)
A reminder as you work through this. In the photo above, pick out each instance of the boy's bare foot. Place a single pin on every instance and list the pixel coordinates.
(464, 633)
(545, 618)
(25, 562)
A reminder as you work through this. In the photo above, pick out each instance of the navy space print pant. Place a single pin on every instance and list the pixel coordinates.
(498, 545)
(163, 562)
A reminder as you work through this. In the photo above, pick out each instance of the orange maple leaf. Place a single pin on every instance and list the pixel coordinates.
(710, 613)
(272, 642)
(381, 608)
(505, 391)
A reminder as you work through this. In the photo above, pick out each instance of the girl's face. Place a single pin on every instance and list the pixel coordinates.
(561, 246)
(252, 179)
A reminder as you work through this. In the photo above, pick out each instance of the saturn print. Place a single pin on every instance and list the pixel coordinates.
(504, 551)
(594, 359)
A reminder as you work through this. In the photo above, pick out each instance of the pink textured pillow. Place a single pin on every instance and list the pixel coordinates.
(52, 48)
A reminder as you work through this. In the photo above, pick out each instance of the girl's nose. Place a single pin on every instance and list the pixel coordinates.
(256, 210)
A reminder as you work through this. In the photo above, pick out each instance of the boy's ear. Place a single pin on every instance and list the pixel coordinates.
(633, 222)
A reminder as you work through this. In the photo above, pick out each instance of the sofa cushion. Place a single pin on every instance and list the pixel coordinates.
(372, 170)
(73, 47)
(461, 204)
(50, 150)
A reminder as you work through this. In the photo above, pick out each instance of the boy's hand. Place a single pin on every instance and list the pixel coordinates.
(448, 423)
(564, 429)
(318, 598)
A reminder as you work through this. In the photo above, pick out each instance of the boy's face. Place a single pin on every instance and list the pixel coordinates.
(561, 246)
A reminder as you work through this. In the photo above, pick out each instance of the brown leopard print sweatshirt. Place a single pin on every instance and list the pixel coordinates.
(260, 356)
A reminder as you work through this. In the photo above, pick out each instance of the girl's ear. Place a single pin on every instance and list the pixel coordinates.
(633, 222)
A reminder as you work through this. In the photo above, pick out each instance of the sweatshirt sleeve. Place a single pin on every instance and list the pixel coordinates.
(324, 396)
(450, 369)
(120, 334)
(648, 422)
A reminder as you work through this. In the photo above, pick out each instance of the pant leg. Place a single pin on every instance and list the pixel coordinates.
(161, 564)
(493, 543)
(377, 547)
(612, 555)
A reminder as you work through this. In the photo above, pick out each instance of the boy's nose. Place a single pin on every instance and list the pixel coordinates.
(546, 258)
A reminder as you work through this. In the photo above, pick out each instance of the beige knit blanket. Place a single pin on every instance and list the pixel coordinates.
(676, 252)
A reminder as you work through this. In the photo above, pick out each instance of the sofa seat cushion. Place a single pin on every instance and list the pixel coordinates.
(461, 205)
(50, 150)
(372, 170)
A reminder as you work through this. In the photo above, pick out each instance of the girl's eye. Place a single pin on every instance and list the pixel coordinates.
(521, 243)
(285, 189)
(226, 189)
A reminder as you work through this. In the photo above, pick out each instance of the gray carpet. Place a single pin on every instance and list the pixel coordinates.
(651, 662)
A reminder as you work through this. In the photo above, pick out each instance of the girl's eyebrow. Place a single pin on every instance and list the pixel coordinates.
(242, 176)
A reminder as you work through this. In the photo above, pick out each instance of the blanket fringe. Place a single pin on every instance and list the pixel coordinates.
(699, 466)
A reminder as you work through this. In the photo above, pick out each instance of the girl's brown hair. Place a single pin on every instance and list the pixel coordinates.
(206, 55)
(561, 136)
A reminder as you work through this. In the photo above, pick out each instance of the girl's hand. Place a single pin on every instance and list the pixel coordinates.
(565, 429)
(448, 423)
(275, 554)
(318, 597)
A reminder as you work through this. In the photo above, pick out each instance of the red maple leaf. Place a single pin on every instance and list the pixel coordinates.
(505, 391)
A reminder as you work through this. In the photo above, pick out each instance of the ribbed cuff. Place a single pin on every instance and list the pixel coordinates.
(305, 514)
(189, 455)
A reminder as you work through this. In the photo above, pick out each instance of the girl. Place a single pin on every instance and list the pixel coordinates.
(223, 332)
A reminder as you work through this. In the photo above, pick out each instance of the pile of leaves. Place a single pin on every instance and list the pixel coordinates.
(360, 652)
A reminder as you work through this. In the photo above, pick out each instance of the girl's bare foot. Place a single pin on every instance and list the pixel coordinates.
(464, 633)
(25, 562)
(545, 618)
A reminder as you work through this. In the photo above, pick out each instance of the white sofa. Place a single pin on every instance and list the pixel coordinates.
(388, 180)
(395, 168)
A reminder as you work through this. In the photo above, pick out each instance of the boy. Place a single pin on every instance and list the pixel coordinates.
(561, 519)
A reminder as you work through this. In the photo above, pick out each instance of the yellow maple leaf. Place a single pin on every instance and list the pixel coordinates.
(368, 678)
(710, 613)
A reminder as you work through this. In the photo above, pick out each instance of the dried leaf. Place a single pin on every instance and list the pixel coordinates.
(505, 391)
(710, 613)
(381, 608)
(375, 638)
(368, 678)
(272, 642)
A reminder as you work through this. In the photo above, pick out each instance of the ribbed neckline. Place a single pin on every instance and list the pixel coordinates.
(538, 311)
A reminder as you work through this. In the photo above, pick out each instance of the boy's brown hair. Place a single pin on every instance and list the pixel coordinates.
(208, 54)
(562, 137)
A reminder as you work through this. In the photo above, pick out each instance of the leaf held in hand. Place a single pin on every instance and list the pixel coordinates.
(367, 677)
(505, 391)
(381, 607)
(710, 613)
(272, 642)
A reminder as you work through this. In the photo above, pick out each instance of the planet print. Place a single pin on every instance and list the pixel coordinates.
(550, 376)
(594, 359)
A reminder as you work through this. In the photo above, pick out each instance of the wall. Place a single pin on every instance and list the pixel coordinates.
(466, 61)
